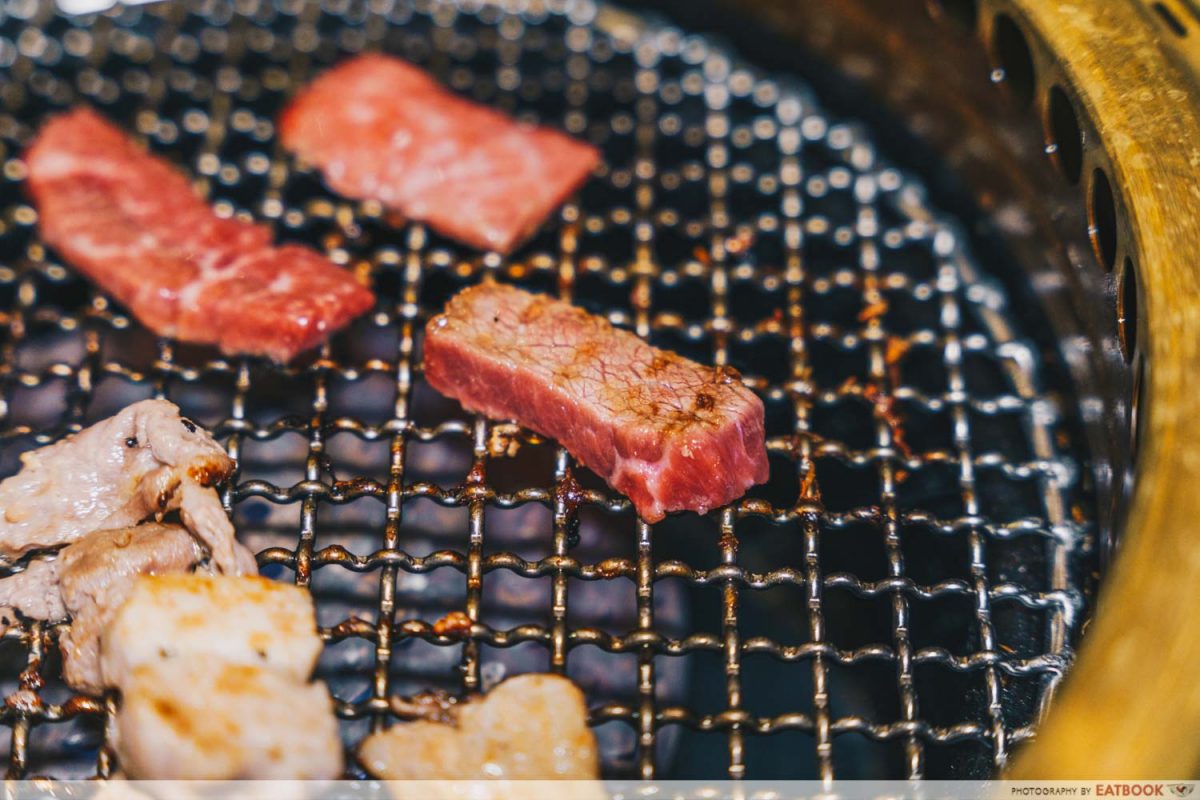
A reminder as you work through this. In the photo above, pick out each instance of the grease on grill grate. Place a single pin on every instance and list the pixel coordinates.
(899, 599)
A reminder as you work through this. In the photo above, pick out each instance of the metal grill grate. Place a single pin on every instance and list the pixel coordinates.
(900, 597)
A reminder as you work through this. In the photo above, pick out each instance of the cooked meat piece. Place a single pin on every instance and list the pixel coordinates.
(531, 727)
(203, 515)
(381, 129)
(90, 579)
(142, 462)
(205, 718)
(248, 620)
(131, 223)
(97, 575)
(34, 592)
(671, 434)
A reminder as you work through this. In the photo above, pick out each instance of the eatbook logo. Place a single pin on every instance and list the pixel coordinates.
(1182, 789)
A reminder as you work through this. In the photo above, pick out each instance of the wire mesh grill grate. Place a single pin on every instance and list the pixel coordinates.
(903, 592)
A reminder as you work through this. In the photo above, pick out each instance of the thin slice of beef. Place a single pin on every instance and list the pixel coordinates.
(381, 129)
(671, 434)
(132, 223)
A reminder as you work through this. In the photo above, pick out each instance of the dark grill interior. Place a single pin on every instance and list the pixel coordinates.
(899, 599)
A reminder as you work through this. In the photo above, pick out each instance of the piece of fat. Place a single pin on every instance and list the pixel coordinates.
(202, 717)
(245, 620)
(531, 727)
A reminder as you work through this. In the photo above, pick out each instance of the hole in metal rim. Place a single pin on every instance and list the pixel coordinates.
(1013, 59)
(1170, 20)
(1136, 412)
(1102, 220)
(1064, 140)
(1127, 310)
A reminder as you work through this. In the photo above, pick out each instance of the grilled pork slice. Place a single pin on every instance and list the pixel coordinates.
(531, 727)
(97, 575)
(90, 580)
(206, 718)
(131, 223)
(248, 620)
(671, 434)
(381, 129)
(34, 592)
(142, 462)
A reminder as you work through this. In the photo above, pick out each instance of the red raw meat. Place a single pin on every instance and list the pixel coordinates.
(669, 433)
(133, 224)
(381, 129)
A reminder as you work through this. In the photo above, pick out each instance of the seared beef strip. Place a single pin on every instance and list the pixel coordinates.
(667, 432)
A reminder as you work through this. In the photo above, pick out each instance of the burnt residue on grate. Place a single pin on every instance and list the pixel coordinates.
(899, 599)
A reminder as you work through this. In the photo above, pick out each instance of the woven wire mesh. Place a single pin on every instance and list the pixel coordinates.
(900, 598)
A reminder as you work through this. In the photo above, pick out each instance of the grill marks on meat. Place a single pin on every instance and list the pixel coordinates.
(381, 129)
(141, 463)
(133, 224)
(205, 718)
(213, 673)
(249, 620)
(531, 727)
(669, 433)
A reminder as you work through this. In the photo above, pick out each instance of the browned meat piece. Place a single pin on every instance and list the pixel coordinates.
(213, 672)
(140, 463)
(669, 433)
(203, 515)
(531, 727)
(247, 620)
(206, 718)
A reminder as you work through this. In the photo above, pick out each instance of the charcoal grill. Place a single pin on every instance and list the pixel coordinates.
(948, 469)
